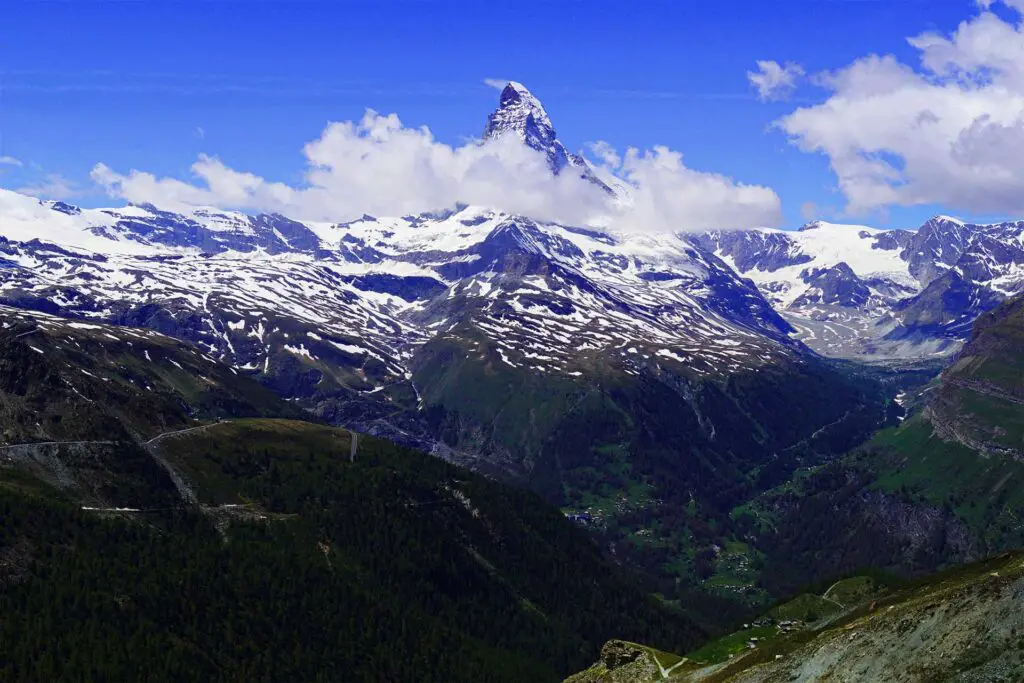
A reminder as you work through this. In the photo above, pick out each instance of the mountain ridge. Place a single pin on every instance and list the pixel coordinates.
(855, 291)
(587, 366)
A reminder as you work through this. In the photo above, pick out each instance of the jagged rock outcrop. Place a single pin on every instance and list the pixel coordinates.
(623, 662)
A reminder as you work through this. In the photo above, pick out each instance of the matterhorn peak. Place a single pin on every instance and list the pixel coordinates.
(520, 113)
(519, 104)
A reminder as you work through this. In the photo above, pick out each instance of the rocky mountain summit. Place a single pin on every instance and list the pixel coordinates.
(521, 114)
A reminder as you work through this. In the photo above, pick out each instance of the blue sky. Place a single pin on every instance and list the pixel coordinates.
(151, 85)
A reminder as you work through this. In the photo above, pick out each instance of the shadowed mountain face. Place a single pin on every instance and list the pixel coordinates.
(66, 380)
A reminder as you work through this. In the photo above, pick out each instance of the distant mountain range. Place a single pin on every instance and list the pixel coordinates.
(336, 314)
(854, 291)
(847, 291)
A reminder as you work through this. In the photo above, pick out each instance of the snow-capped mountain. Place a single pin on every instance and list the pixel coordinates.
(365, 295)
(344, 318)
(521, 114)
(515, 345)
(852, 290)
(530, 351)
(380, 286)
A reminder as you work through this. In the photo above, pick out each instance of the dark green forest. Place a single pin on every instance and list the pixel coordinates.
(395, 567)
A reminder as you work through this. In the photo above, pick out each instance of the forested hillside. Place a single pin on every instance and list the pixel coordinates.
(299, 564)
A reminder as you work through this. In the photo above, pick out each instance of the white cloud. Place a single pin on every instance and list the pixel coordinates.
(775, 81)
(10, 161)
(605, 153)
(200, 132)
(53, 186)
(667, 195)
(950, 131)
(1016, 4)
(496, 83)
(221, 186)
(381, 167)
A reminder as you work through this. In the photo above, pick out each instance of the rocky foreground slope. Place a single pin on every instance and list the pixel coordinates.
(964, 625)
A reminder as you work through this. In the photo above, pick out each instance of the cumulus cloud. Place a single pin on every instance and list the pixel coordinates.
(950, 130)
(605, 153)
(775, 81)
(9, 161)
(382, 167)
(1016, 4)
(666, 194)
(221, 186)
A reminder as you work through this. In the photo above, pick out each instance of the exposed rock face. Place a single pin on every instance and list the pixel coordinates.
(837, 285)
(962, 630)
(980, 400)
(947, 306)
(936, 247)
(617, 653)
(621, 662)
(867, 527)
